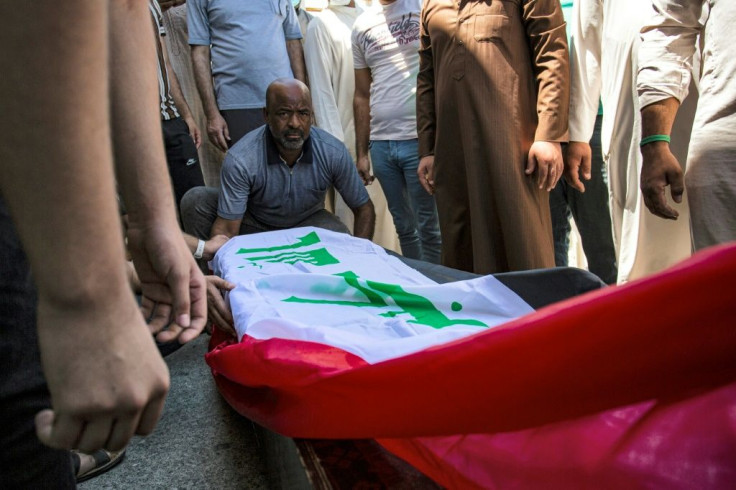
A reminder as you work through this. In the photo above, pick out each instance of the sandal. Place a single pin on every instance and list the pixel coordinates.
(104, 460)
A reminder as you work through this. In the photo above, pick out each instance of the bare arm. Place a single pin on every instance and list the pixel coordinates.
(296, 58)
(365, 220)
(362, 114)
(171, 282)
(211, 246)
(659, 167)
(60, 191)
(217, 130)
(426, 116)
(227, 227)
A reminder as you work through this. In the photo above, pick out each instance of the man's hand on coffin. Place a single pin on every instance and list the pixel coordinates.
(212, 245)
(217, 310)
(172, 286)
(545, 159)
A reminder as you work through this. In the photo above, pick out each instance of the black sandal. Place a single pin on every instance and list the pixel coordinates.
(104, 461)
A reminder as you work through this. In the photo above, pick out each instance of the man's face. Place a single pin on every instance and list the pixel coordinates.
(289, 117)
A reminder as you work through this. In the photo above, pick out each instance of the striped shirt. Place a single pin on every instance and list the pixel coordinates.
(166, 102)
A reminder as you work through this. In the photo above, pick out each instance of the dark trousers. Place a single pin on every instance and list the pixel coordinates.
(24, 462)
(592, 216)
(241, 122)
(182, 157)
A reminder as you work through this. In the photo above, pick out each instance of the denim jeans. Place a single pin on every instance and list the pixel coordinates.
(591, 214)
(413, 210)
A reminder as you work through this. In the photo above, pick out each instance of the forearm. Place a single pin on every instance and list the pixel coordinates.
(296, 58)
(365, 221)
(426, 117)
(227, 227)
(658, 118)
(175, 89)
(362, 114)
(60, 188)
(203, 79)
(136, 126)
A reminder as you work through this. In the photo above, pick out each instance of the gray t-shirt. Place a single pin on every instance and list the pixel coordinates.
(255, 177)
(387, 42)
(248, 46)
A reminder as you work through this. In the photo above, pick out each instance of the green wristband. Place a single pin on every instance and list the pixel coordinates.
(654, 137)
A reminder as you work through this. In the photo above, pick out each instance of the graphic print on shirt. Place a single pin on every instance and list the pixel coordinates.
(399, 32)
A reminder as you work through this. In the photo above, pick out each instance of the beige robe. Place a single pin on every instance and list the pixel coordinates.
(493, 79)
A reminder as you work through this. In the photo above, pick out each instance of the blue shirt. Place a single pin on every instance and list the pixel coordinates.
(255, 177)
(247, 39)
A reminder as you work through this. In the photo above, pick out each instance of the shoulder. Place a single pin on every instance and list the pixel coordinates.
(248, 151)
(325, 145)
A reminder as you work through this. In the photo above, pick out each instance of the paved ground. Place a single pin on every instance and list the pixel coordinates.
(200, 442)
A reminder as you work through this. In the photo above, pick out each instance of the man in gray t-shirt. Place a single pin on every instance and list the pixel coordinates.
(241, 47)
(277, 176)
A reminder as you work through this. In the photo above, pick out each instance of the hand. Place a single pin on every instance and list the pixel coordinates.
(425, 171)
(577, 159)
(364, 169)
(212, 245)
(659, 169)
(170, 280)
(218, 132)
(545, 157)
(194, 131)
(217, 309)
(106, 378)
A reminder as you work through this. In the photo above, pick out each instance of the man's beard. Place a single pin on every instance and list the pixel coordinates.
(291, 144)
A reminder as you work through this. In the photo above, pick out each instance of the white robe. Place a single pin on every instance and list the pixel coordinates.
(329, 59)
(670, 43)
(603, 61)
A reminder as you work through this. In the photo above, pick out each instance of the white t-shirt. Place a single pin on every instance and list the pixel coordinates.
(387, 42)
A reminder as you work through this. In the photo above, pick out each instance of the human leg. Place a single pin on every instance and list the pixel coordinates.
(560, 213)
(24, 461)
(181, 157)
(199, 211)
(389, 174)
(324, 219)
(593, 216)
(422, 204)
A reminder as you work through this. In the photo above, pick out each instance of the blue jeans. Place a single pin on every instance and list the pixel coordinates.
(413, 210)
(591, 214)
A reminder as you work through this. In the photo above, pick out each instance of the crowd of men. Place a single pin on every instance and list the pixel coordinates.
(486, 127)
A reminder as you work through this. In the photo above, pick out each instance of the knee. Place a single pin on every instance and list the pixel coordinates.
(197, 204)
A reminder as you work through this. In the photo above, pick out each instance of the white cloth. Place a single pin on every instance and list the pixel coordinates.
(670, 43)
(387, 42)
(603, 60)
(329, 58)
(316, 285)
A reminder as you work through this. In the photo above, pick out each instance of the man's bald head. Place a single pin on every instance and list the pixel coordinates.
(287, 89)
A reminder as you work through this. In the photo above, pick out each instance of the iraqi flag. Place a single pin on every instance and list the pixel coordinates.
(337, 339)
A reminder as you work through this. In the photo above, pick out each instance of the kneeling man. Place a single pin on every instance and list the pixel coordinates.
(277, 176)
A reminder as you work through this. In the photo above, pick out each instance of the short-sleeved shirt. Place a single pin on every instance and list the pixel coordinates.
(386, 40)
(254, 176)
(247, 39)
